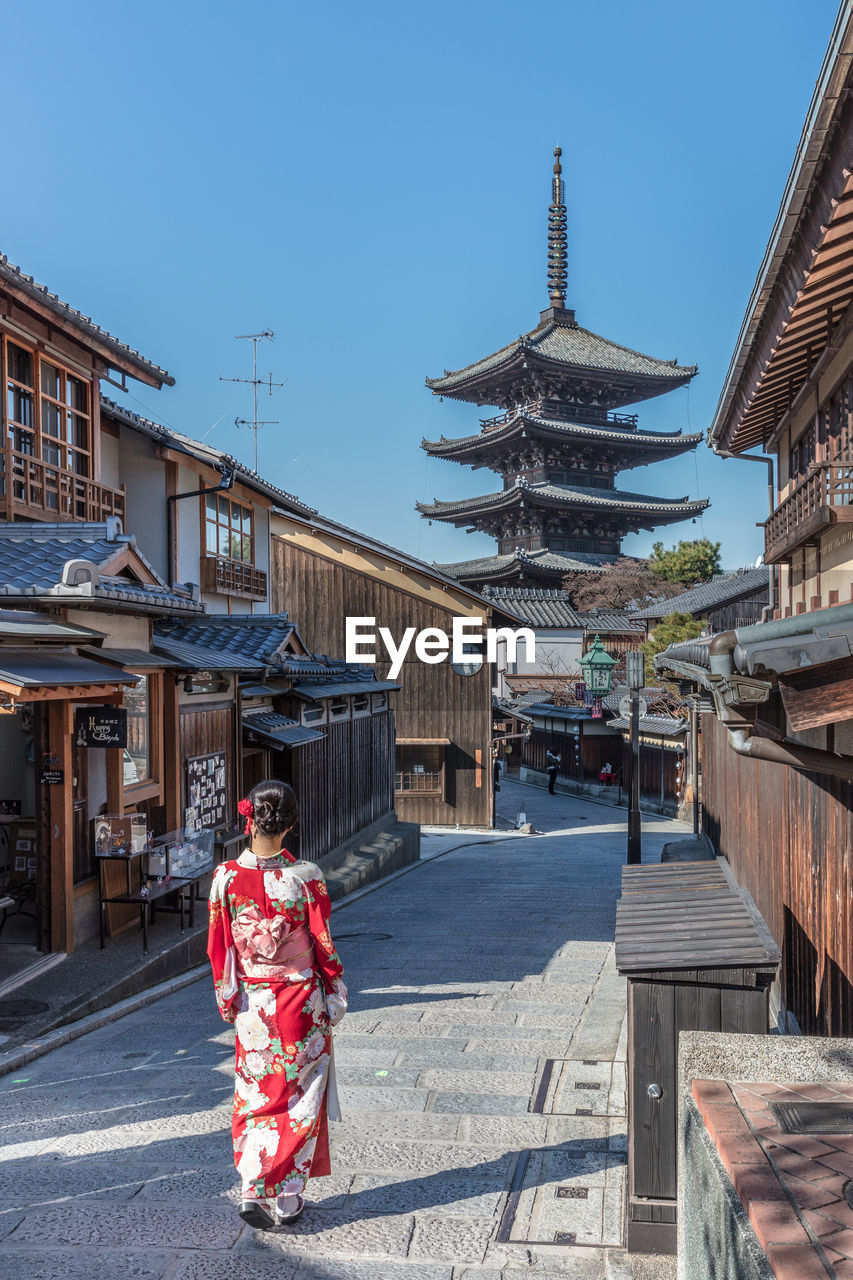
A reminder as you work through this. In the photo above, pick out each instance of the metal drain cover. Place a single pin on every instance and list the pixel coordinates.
(814, 1117)
(587, 1084)
(572, 1193)
(564, 1237)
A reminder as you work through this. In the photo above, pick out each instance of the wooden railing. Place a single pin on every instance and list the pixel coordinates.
(570, 412)
(822, 498)
(233, 578)
(40, 491)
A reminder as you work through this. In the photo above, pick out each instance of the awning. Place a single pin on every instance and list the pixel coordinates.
(277, 730)
(33, 675)
(133, 658)
(20, 624)
(267, 689)
(317, 692)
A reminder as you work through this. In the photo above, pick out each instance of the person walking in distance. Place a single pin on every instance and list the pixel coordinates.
(552, 760)
(278, 978)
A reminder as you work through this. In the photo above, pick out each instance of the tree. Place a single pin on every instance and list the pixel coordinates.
(671, 628)
(627, 583)
(687, 563)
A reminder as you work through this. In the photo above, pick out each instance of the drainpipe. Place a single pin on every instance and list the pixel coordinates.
(744, 742)
(742, 738)
(767, 611)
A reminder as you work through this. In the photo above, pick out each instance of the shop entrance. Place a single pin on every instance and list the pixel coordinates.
(23, 934)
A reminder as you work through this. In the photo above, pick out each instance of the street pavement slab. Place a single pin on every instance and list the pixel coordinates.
(483, 1056)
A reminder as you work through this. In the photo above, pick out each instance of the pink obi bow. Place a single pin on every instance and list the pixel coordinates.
(270, 938)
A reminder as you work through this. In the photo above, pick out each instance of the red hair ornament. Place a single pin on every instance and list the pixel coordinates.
(247, 809)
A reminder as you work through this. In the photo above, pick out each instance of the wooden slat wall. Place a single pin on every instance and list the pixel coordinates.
(343, 783)
(788, 836)
(434, 702)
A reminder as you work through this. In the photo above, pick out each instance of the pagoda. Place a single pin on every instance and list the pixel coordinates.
(559, 442)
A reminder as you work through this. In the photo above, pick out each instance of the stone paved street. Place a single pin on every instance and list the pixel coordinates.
(482, 1074)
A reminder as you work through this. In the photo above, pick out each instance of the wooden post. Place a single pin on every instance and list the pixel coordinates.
(171, 778)
(61, 831)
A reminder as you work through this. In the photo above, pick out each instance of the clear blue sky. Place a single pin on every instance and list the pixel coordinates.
(371, 182)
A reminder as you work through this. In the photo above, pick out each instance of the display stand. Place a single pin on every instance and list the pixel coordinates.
(155, 869)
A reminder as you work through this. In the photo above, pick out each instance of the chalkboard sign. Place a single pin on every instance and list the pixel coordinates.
(206, 792)
(100, 727)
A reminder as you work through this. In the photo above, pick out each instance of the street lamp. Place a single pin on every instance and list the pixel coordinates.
(597, 667)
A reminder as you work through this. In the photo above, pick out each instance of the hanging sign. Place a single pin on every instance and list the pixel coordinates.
(580, 690)
(596, 709)
(50, 775)
(100, 727)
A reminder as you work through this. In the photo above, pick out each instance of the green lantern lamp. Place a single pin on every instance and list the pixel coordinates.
(597, 667)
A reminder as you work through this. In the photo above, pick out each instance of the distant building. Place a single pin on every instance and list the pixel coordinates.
(728, 600)
(558, 443)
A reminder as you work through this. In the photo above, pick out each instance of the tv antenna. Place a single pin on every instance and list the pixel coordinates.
(256, 382)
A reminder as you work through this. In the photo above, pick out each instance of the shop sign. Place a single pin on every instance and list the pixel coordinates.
(100, 727)
(580, 690)
(51, 775)
(596, 709)
(206, 792)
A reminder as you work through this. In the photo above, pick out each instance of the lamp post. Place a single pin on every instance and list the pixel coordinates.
(597, 667)
(635, 674)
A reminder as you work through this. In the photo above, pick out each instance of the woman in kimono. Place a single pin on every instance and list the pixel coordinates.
(278, 978)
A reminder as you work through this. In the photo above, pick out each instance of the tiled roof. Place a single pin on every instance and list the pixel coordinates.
(559, 495)
(669, 442)
(569, 344)
(557, 712)
(708, 595)
(538, 606)
(358, 680)
(557, 561)
(203, 453)
(248, 640)
(33, 558)
(28, 667)
(662, 726)
(15, 276)
(610, 621)
(277, 729)
(16, 624)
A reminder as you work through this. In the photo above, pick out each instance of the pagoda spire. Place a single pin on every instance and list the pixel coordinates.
(558, 253)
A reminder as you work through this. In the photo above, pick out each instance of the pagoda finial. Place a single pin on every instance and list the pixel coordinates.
(557, 239)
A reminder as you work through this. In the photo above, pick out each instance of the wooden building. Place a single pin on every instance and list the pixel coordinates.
(324, 573)
(123, 658)
(728, 600)
(558, 442)
(777, 754)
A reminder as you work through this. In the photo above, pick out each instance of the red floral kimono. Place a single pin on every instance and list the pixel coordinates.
(279, 979)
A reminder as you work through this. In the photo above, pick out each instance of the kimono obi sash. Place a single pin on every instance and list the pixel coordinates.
(270, 948)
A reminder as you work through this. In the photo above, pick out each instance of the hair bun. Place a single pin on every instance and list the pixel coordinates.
(275, 810)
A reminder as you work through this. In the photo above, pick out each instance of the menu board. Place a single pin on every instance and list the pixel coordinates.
(206, 792)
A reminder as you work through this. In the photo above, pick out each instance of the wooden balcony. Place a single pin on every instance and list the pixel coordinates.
(824, 498)
(233, 578)
(590, 414)
(37, 490)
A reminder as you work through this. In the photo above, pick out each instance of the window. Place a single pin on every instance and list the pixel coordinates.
(379, 701)
(338, 709)
(314, 713)
(361, 705)
(228, 529)
(137, 757)
(47, 413)
(420, 770)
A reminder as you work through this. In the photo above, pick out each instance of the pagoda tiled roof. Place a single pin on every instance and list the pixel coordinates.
(541, 607)
(564, 496)
(642, 443)
(550, 564)
(564, 345)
